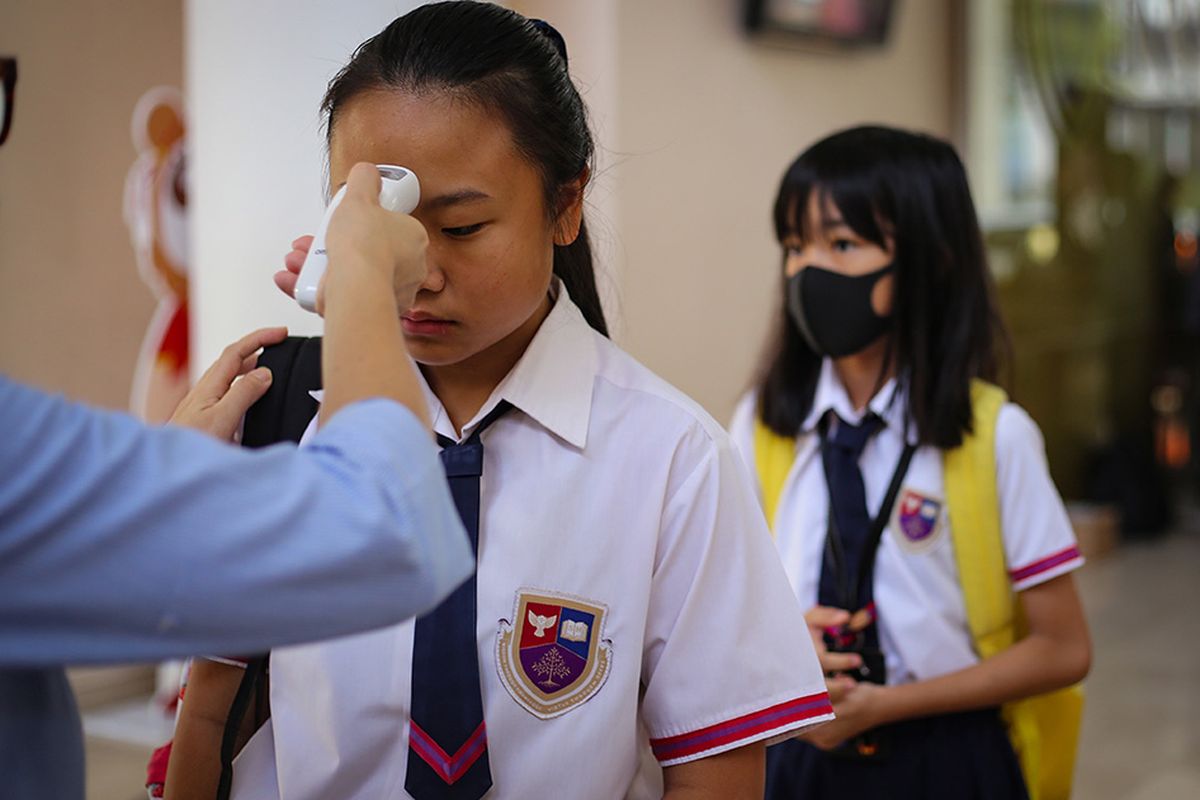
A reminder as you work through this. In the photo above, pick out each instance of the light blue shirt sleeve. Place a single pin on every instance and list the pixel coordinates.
(121, 542)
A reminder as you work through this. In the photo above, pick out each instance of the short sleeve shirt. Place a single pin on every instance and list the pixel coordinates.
(617, 513)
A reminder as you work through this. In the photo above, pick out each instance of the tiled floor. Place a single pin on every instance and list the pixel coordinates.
(1141, 736)
(1141, 733)
(115, 770)
(120, 739)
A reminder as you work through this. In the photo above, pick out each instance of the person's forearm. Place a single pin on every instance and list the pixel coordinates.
(373, 477)
(1055, 653)
(194, 767)
(1034, 665)
(363, 353)
(732, 775)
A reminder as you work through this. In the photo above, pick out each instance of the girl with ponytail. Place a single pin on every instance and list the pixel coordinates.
(629, 631)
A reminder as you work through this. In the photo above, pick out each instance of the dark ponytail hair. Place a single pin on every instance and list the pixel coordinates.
(946, 326)
(487, 54)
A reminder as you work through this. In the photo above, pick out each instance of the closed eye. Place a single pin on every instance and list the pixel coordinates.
(464, 230)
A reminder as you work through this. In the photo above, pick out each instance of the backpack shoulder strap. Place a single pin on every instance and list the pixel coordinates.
(283, 413)
(974, 507)
(1044, 729)
(252, 688)
(773, 457)
(280, 415)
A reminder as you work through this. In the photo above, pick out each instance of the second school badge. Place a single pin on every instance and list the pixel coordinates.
(918, 519)
(551, 657)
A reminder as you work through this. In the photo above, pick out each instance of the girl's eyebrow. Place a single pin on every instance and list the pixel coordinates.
(444, 200)
(456, 197)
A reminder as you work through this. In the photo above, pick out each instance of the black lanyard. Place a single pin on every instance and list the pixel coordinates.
(834, 550)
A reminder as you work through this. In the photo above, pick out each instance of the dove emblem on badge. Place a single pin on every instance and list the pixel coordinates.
(541, 623)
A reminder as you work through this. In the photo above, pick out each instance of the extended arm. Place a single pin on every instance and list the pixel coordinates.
(120, 542)
(1055, 653)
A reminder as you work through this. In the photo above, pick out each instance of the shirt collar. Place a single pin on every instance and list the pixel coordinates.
(889, 403)
(552, 381)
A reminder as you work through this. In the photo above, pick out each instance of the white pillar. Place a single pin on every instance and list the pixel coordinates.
(254, 77)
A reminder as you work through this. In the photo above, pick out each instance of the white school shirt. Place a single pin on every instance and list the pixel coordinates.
(613, 502)
(922, 616)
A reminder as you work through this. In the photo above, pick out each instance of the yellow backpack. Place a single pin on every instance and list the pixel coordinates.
(1044, 729)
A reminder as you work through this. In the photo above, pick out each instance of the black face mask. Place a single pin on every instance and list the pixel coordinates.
(833, 311)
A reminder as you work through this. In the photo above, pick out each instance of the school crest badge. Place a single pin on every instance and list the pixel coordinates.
(918, 519)
(551, 656)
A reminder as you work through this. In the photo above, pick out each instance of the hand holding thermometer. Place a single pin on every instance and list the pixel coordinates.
(400, 192)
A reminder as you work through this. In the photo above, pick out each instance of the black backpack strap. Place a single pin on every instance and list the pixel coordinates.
(250, 687)
(280, 415)
(284, 412)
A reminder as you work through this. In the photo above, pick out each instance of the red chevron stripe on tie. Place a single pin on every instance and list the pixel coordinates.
(448, 767)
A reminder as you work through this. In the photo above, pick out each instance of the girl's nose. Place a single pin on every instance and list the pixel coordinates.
(435, 276)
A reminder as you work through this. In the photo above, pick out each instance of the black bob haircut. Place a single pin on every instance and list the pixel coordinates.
(946, 328)
(486, 54)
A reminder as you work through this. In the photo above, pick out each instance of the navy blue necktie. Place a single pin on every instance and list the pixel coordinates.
(848, 509)
(447, 740)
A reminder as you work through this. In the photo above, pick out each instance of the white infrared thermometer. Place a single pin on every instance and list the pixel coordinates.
(400, 192)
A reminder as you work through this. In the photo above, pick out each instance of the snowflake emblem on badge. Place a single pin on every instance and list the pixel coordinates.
(554, 659)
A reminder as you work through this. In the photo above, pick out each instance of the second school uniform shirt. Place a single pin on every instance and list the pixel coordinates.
(922, 615)
(610, 501)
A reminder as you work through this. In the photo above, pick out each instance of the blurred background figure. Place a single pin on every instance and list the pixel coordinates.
(156, 213)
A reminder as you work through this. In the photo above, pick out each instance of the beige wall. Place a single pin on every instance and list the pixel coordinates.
(695, 124)
(698, 123)
(72, 306)
(258, 184)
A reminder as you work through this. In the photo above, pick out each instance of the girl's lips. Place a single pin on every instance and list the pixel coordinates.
(417, 323)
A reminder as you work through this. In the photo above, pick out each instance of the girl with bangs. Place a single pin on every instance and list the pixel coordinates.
(878, 385)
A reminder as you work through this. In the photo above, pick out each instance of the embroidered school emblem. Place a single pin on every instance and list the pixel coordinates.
(551, 657)
(917, 518)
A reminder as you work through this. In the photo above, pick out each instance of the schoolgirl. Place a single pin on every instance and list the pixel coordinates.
(629, 629)
(901, 486)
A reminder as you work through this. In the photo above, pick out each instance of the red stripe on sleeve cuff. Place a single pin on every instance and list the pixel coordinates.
(1045, 564)
(747, 728)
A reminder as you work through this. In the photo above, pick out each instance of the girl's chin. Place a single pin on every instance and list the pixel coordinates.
(434, 354)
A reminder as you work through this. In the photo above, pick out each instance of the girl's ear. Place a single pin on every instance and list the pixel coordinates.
(570, 210)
